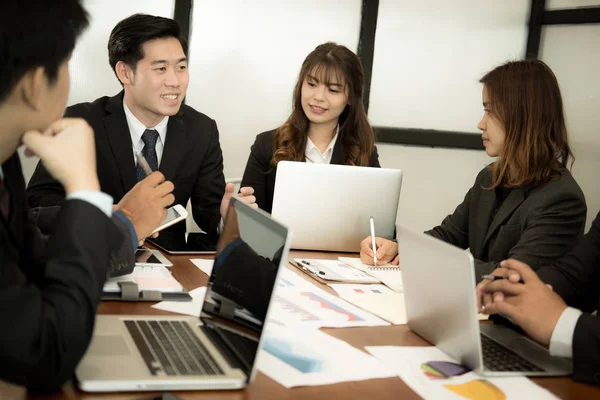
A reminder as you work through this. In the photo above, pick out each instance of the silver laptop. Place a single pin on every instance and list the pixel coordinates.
(328, 206)
(211, 351)
(441, 307)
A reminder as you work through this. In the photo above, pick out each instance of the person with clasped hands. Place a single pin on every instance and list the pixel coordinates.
(554, 306)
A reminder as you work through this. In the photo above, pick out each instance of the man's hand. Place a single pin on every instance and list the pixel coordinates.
(387, 251)
(246, 195)
(484, 297)
(68, 152)
(146, 203)
(532, 305)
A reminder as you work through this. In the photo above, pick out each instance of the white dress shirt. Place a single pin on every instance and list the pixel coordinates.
(136, 129)
(314, 155)
(561, 342)
(96, 198)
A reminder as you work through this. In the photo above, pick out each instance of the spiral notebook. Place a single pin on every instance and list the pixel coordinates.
(390, 275)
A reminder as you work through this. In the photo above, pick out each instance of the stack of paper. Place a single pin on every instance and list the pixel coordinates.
(434, 375)
(376, 299)
(313, 308)
(295, 357)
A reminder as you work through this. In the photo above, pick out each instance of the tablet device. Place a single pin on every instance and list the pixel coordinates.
(185, 242)
(145, 257)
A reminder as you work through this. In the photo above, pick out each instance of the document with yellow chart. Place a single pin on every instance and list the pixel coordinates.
(434, 375)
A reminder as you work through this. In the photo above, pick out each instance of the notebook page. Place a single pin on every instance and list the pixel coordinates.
(390, 275)
(356, 263)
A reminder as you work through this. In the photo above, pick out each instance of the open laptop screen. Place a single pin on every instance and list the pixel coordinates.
(338, 199)
(249, 252)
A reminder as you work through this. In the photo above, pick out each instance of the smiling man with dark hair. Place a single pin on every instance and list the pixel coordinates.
(149, 58)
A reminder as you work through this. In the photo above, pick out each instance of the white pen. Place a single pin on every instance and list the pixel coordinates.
(143, 163)
(372, 223)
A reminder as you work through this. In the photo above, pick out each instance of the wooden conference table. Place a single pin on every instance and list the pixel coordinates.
(264, 388)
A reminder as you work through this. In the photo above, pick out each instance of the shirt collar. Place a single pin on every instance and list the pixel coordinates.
(311, 148)
(136, 128)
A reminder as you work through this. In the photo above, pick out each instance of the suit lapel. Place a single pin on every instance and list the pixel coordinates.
(175, 144)
(336, 155)
(512, 202)
(119, 138)
(487, 201)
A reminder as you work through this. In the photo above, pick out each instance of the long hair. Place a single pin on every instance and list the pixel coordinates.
(525, 98)
(355, 133)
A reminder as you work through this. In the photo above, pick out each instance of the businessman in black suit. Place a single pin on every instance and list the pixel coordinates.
(50, 289)
(551, 315)
(149, 58)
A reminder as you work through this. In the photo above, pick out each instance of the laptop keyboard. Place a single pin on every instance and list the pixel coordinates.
(499, 358)
(171, 347)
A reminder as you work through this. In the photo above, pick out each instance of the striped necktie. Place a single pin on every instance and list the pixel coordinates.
(149, 137)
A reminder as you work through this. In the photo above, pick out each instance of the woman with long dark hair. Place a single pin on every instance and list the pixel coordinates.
(526, 204)
(328, 123)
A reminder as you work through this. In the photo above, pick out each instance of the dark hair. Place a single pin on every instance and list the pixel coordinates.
(355, 133)
(128, 37)
(525, 98)
(36, 33)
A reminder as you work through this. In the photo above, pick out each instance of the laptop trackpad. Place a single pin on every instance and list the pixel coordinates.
(108, 345)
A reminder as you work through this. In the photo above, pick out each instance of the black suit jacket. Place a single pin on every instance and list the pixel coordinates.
(261, 176)
(536, 224)
(576, 278)
(192, 160)
(49, 290)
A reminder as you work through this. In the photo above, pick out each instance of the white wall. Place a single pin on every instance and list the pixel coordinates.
(429, 56)
(573, 53)
(561, 4)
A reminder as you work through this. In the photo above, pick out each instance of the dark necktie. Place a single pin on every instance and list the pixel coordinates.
(4, 200)
(149, 137)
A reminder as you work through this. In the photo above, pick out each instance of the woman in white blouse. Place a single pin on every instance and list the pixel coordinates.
(328, 123)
